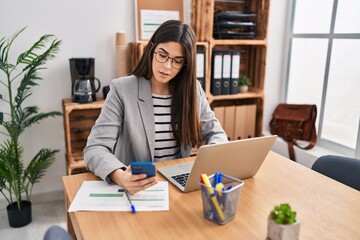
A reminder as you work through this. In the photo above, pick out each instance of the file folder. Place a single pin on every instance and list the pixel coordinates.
(226, 72)
(219, 114)
(200, 67)
(250, 120)
(240, 121)
(216, 73)
(235, 71)
(229, 122)
(245, 119)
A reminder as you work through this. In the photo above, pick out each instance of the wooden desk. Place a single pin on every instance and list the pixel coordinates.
(326, 208)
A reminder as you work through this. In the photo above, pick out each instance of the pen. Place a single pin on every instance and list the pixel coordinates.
(132, 205)
(212, 196)
(216, 178)
(220, 177)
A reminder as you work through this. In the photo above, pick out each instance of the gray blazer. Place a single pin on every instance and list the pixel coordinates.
(125, 129)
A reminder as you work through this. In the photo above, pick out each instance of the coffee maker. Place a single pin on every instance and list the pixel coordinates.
(84, 85)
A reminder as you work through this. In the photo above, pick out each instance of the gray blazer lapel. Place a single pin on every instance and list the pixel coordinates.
(146, 109)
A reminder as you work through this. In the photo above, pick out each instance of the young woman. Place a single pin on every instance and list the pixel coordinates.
(157, 113)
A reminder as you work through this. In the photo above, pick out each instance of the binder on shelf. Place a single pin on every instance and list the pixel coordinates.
(240, 121)
(229, 121)
(250, 120)
(219, 114)
(226, 72)
(216, 73)
(200, 67)
(245, 119)
(235, 71)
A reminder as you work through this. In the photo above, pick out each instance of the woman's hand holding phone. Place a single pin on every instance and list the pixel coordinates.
(133, 183)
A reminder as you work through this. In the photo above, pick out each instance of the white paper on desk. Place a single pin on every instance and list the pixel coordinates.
(101, 196)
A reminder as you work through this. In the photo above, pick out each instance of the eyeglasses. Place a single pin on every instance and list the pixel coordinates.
(176, 62)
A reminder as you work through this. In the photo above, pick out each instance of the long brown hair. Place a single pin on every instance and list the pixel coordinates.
(184, 114)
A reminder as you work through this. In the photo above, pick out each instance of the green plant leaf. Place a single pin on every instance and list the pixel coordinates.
(5, 45)
(11, 169)
(32, 58)
(244, 81)
(283, 214)
(42, 160)
(29, 116)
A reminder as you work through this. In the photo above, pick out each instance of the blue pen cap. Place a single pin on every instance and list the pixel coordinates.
(133, 210)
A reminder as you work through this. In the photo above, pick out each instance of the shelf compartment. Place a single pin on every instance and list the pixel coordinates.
(259, 105)
(78, 121)
(204, 24)
(252, 63)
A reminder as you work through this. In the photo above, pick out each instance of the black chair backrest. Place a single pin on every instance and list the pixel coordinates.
(343, 169)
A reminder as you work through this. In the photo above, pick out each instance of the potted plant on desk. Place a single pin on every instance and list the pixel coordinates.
(18, 79)
(282, 223)
(244, 83)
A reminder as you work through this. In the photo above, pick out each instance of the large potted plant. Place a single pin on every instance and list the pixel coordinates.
(282, 223)
(18, 175)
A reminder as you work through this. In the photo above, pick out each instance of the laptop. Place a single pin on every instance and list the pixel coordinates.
(240, 159)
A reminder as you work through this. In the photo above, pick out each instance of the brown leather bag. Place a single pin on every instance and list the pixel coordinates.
(294, 122)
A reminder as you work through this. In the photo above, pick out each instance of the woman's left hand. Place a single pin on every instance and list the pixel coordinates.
(132, 183)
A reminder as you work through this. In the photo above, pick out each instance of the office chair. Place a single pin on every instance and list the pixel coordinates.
(56, 232)
(343, 169)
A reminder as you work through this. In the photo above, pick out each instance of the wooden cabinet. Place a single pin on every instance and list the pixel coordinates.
(252, 50)
(78, 121)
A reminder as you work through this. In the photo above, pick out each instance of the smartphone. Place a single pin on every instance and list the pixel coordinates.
(143, 167)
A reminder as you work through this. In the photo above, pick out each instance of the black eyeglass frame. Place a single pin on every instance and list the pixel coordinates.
(172, 60)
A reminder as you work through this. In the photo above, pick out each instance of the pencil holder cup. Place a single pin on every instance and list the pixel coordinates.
(220, 206)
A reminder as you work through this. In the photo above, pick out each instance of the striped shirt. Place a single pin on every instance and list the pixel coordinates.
(166, 146)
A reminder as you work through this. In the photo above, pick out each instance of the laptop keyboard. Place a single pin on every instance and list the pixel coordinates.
(181, 178)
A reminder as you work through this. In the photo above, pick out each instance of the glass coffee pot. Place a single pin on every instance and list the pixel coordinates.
(84, 90)
(84, 84)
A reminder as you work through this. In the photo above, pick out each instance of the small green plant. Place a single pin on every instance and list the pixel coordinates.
(282, 214)
(244, 81)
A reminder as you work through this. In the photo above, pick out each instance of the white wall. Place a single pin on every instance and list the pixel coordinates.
(274, 81)
(88, 29)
